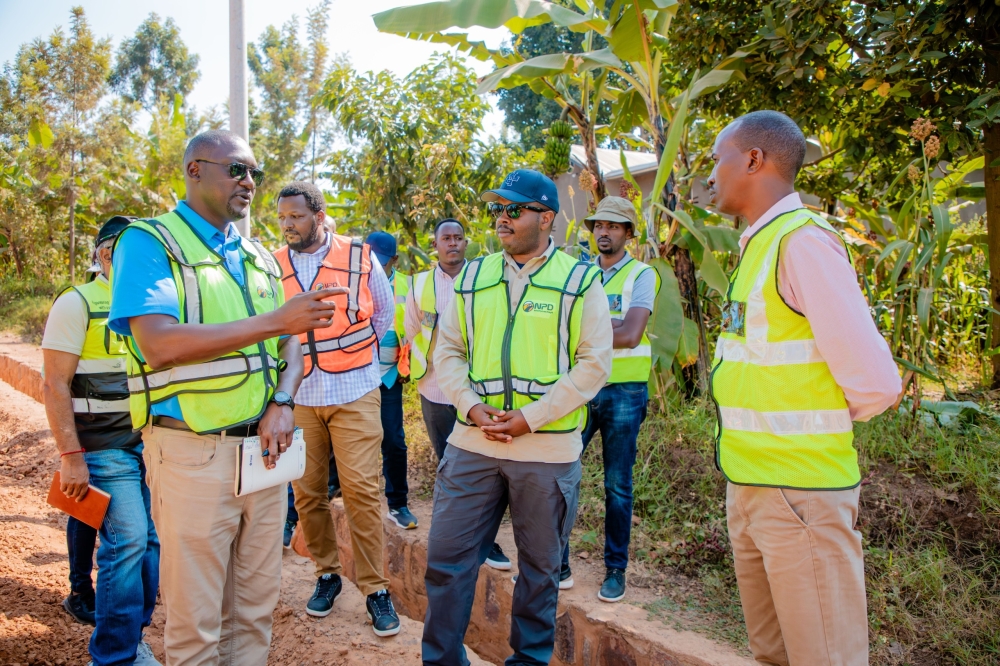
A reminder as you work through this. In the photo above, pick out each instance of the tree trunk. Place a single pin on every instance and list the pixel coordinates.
(589, 141)
(72, 235)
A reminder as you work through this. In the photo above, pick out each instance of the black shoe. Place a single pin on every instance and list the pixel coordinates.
(613, 588)
(286, 540)
(565, 577)
(497, 559)
(383, 616)
(81, 607)
(328, 586)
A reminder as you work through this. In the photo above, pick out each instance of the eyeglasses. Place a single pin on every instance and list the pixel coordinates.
(513, 210)
(238, 170)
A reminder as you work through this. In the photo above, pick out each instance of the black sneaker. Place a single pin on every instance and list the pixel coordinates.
(565, 577)
(328, 586)
(497, 559)
(383, 616)
(613, 588)
(286, 540)
(81, 607)
(403, 518)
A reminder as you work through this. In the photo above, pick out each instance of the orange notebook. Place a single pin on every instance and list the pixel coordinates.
(90, 511)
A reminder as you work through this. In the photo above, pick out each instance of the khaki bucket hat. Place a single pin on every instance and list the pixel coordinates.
(612, 209)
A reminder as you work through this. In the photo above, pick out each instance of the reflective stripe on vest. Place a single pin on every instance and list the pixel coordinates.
(783, 420)
(629, 365)
(425, 294)
(235, 388)
(515, 357)
(347, 344)
(93, 406)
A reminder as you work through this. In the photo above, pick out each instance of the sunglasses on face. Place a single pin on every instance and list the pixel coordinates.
(239, 171)
(513, 210)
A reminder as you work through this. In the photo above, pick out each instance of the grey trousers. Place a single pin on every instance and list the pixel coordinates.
(470, 496)
(439, 420)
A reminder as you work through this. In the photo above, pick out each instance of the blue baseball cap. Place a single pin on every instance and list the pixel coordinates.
(526, 186)
(383, 245)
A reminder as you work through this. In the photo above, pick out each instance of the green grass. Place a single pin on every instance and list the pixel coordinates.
(930, 516)
(24, 306)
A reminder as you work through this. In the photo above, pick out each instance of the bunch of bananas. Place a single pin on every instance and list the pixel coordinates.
(557, 148)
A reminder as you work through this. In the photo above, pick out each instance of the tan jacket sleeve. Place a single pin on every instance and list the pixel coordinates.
(592, 365)
(412, 316)
(451, 364)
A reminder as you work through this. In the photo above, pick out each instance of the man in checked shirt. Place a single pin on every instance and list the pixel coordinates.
(338, 404)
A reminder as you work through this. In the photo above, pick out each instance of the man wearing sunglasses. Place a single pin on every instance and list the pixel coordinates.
(210, 362)
(526, 345)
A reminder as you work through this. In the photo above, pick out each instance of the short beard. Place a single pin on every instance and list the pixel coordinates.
(524, 245)
(235, 215)
(608, 252)
(308, 241)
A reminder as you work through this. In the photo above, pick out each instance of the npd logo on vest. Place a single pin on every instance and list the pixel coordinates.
(538, 307)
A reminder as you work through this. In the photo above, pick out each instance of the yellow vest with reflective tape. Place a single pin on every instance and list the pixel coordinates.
(235, 388)
(514, 359)
(389, 356)
(425, 293)
(629, 365)
(783, 420)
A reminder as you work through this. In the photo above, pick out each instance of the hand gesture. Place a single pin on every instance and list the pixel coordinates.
(506, 426)
(276, 429)
(308, 310)
(74, 477)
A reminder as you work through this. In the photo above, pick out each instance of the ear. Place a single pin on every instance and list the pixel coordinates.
(547, 218)
(755, 160)
(104, 255)
(321, 217)
(193, 170)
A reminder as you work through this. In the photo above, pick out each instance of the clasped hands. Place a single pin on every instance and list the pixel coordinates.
(498, 425)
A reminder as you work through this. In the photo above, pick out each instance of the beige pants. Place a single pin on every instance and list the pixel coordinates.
(801, 575)
(354, 431)
(220, 555)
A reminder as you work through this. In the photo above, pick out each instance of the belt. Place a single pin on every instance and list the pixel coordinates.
(246, 430)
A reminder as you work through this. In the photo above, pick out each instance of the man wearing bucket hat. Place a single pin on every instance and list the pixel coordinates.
(86, 401)
(526, 345)
(620, 407)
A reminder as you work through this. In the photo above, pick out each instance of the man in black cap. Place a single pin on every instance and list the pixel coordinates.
(527, 344)
(86, 400)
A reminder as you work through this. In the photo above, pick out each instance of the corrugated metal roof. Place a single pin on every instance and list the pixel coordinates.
(611, 163)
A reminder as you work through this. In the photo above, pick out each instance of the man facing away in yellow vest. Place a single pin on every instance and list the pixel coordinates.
(798, 360)
(209, 364)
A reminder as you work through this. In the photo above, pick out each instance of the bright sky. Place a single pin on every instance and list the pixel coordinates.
(204, 27)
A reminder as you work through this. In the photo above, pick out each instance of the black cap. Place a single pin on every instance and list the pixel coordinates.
(113, 227)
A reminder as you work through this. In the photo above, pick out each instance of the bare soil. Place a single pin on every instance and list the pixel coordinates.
(34, 628)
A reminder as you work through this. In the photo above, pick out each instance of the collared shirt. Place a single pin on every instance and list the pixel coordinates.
(143, 283)
(321, 389)
(444, 295)
(816, 278)
(644, 290)
(591, 369)
(388, 346)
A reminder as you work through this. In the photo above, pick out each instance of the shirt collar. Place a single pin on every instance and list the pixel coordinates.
(438, 268)
(782, 206)
(534, 261)
(208, 232)
(617, 266)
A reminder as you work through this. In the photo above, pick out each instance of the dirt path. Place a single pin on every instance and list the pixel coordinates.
(34, 629)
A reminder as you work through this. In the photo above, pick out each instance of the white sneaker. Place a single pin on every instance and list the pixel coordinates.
(144, 655)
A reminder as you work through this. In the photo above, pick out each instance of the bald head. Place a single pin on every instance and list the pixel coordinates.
(206, 144)
(776, 135)
(216, 189)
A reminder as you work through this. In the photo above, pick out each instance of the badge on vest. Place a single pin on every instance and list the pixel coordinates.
(538, 307)
(615, 302)
(734, 318)
(428, 319)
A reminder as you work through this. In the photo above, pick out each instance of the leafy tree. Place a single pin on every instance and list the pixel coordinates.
(153, 64)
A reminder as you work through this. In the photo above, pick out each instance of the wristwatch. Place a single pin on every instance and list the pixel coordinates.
(283, 399)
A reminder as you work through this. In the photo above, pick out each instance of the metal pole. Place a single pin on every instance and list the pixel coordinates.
(239, 122)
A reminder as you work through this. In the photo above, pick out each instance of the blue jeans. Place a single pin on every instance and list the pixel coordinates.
(617, 412)
(80, 541)
(394, 446)
(128, 559)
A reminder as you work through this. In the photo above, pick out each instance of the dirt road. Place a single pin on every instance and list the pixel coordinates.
(34, 629)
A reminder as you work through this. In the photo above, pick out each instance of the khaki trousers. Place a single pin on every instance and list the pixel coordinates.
(220, 555)
(354, 432)
(801, 575)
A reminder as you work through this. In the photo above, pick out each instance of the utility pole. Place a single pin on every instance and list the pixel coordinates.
(239, 122)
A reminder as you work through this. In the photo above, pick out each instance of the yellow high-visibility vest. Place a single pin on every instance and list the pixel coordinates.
(629, 365)
(426, 296)
(783, 420)
(235, 388)
(514, 359)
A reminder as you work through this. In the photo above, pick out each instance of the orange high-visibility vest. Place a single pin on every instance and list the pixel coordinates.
(348, 343)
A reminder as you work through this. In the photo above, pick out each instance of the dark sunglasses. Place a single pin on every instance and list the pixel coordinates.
(495, 210)
(238, 170)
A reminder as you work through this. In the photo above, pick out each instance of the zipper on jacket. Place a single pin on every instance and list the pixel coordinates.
(508, 386)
